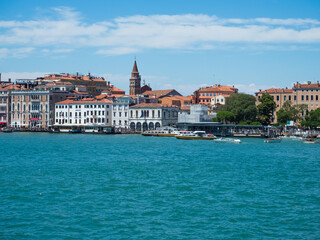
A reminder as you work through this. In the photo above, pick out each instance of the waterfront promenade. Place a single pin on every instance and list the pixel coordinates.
(67, 186)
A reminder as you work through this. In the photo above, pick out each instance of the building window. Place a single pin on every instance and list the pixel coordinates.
(295, 98)
(289, 97)
(284, 97)
(317, 97)
(302, 97)
(311, 97)
(114, 114)
(307, 97)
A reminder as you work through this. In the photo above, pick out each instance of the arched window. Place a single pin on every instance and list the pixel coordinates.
(132, 126)
(138, 126)
(151, 126)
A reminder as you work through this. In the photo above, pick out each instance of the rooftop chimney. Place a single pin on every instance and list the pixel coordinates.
(9, 80)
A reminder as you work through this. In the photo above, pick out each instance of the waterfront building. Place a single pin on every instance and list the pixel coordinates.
(120, 113)
(148, 116)
(94, 85)
(205, 95)
(198, 113)
(308, 94)
(4, 107)
(34, 108)
(83, 113)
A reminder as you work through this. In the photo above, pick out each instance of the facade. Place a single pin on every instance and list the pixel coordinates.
(204, 95)
(135, 81)
(4, 107)
(120, 113)
(308, 94)
(198, 113)
(149, 116)
(34, 108)
(30, 109)
(83, 113)
(218, 100)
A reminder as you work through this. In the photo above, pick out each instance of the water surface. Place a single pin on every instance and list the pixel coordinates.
(65, 186)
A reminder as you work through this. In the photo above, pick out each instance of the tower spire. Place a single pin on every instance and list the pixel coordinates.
(135, 67)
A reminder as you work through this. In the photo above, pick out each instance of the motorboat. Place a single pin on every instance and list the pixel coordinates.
(310, 141)
(196, 135)
(227, 140)
(162, 132)
(273, 140)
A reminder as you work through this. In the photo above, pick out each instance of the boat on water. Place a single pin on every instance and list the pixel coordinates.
(64, 130)
(196, 135)
(7, 130)
(310, 141)
(227, 140)
(162, 132)
(295, 138)
(318, 137)
(273, 140)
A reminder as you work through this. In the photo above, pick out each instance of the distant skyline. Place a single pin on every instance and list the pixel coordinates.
(177, 44)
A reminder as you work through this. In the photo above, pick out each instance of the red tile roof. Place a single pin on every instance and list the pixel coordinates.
(158, 93)
(150, 105)
(85, 100)
(218, 88)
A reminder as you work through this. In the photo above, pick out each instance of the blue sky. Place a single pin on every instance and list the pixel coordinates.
(178, 44)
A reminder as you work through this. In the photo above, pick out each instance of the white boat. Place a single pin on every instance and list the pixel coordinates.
(272, 140)
(227, 140)
(64, 130)
(162, 132)
(295, 138)
(196, 135)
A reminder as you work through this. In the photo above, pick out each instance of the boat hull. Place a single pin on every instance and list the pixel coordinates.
(194, 138)
(159, 134)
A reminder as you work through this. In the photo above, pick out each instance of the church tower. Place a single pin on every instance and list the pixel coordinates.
(135, 81)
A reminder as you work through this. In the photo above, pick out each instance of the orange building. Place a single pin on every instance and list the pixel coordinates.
(204, 95)
(300, 94)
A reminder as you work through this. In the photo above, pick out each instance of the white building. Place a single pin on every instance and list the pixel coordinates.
(83, 113)
(120, 113)
(198, 113)
(218, 100)
(148, 116)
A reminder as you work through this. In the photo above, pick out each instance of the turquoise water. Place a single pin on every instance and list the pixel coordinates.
(64, 186)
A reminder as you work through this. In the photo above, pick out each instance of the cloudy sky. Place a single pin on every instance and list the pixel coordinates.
(178, 44)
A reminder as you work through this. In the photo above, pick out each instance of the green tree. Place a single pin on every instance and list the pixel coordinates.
(290, 112)
(266, 108)
(225, 116)
(312, 120)
(243, 106)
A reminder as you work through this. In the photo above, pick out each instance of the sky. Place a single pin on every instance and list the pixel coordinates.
(182, 45)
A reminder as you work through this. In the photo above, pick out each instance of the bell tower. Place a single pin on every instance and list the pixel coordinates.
(135, 81)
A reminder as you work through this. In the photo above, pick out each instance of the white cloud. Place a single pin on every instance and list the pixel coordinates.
(15, 52)
(126, 35)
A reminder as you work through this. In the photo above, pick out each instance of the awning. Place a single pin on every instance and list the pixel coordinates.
(3, 122)
(34, 119)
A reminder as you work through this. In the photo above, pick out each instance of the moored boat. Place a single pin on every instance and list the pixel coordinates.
(7, 130)
(196, 135)
(272, 140)
(162, 132)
